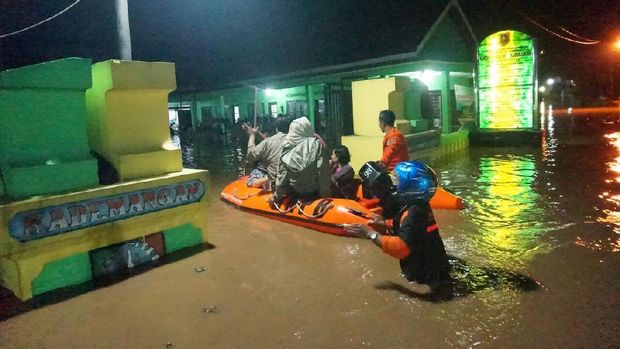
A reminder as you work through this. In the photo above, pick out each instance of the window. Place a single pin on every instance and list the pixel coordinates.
(273, 109)
(297, 108)
(236, 113)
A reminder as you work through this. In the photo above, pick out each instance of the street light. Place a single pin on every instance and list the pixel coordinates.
(615, 47)
(550, 81)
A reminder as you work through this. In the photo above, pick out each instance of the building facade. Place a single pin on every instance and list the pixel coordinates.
(441, 64)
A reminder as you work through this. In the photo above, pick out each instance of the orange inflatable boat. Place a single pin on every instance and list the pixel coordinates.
(326, 215)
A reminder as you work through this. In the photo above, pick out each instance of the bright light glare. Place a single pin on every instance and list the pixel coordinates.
(550, 81)
(542, 89)
(270, 92)
(426, 76)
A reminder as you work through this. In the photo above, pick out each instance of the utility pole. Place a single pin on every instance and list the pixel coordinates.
(123, 36)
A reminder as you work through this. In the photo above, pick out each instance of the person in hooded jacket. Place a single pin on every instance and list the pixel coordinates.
(303, 172)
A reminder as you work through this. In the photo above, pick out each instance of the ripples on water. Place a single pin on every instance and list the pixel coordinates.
(528, 201)
(521, 203)
(518, 198)
(522, 199)
(223, 158)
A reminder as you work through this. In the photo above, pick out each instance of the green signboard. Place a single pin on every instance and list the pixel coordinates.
(506, 79)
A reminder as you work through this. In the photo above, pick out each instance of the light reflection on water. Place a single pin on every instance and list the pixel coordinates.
(529, 202)
(558, 203)
(610, 215)
(526, 201)
(515, 196)
(507, 208)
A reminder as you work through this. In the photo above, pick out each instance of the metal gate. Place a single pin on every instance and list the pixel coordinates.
(338, 115)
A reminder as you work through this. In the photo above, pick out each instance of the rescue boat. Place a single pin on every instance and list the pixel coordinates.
(326, 214)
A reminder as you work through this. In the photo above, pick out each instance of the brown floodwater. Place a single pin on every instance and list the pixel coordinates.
(536, 259)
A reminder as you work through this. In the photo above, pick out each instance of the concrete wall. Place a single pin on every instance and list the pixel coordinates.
(43, 144)
(372, 96)
(53, 241)
(128, 117)
(42, 235)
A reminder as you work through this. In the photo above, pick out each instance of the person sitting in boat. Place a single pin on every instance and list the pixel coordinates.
(303, 172)
(417, 243)
(343, 185)
(267, 153)
(394, 144)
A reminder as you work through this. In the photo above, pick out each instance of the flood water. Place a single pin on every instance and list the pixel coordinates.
(536, 257)
(536, 253)
(548, 213)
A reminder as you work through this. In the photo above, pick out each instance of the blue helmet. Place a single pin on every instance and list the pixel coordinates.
(415, 181)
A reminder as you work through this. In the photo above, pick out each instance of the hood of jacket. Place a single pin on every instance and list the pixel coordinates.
(300, 129)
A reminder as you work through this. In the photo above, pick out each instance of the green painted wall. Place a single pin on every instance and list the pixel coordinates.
(244, 98)
(438, 82)
(64, 272)
(180, 237)
(43, 144)
(413, 100)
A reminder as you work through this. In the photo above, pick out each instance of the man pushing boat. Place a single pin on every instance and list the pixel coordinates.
(417, 243)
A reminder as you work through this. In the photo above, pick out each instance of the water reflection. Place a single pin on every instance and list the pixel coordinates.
(549, 139)
(610, 211)
(526, 208)
(508, 209)
(224, 160)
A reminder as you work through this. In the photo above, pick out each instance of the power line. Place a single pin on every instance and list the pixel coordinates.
(577, 36)
(39, 23)
(584, 41)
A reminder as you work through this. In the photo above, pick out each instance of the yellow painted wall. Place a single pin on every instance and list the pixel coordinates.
(363, 149)
(21, 262)
(127, 111)
(372, 96)
(369, 98)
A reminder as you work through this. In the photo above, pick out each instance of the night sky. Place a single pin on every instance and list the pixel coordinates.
(215, 42)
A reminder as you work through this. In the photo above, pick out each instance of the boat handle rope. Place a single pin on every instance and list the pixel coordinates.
(247, 196)
(320, 214)
(284, 211)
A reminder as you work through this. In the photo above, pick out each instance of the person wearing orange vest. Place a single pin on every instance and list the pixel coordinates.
(394, 143)
(417, 243)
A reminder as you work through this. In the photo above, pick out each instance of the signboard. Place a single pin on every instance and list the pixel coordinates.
(47, 221)
(465, 97)
(506, 79)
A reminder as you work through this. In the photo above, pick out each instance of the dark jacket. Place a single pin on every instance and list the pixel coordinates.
(418, 245)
